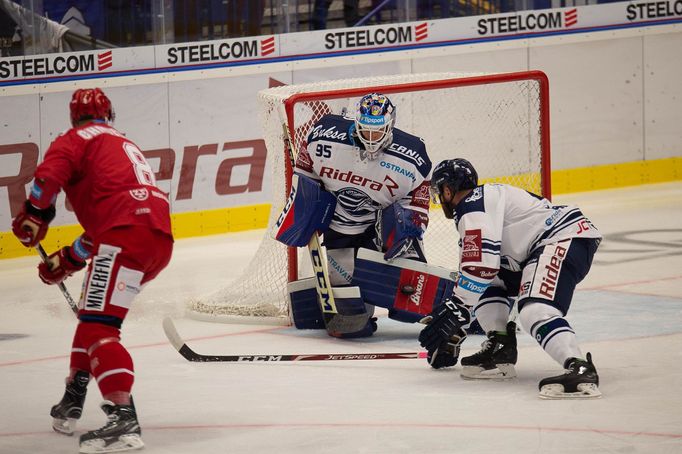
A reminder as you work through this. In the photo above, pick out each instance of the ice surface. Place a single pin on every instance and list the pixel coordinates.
(628, 313)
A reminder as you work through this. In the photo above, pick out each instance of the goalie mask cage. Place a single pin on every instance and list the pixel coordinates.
(499, 122)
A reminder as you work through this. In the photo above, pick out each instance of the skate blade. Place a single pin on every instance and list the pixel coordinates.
(64, 426)
(128, 442)
(556, 391)
(501, 372)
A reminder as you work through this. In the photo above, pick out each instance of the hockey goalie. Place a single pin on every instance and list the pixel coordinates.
(362, 183)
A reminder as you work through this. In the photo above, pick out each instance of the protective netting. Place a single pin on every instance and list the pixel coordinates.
(498, 122)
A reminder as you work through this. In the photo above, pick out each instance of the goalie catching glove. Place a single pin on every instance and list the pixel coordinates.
(401, 230)
(444, 332)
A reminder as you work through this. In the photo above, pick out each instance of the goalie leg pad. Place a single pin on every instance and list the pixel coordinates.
(309, 209)
(404, 316)
(349, 301)
(352, 316)
(403, 286)
(305, 306)
(353, 319)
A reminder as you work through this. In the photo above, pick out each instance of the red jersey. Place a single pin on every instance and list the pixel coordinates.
(107, 180)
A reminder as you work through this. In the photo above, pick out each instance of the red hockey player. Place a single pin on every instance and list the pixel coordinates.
(128, 241)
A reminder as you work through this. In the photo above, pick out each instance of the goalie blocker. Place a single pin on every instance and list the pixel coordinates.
(309, 209)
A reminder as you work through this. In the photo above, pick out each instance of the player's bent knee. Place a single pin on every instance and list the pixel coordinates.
(110, 362)
(534, 313)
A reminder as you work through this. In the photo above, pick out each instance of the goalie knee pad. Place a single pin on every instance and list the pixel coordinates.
(341, 262)
(309, 209)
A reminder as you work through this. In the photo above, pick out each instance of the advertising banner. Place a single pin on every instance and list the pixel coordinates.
(329, 43)
(65, 66)
(197, 119)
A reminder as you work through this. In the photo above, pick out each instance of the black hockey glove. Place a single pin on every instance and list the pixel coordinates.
(447, 354)
(449, 318)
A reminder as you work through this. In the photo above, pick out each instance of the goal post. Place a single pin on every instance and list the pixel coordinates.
(499, 122)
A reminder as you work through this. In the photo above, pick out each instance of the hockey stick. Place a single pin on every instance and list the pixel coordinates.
(62, 287)
(333, 321)
(191, 355)
(322, 285)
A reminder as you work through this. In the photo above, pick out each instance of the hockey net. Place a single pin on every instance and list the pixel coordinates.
(500, 122)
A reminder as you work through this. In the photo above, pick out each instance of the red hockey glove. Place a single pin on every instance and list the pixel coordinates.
(59, 266)
(31, 224)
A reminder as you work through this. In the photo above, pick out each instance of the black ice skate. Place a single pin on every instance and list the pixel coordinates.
(496, 359)
(579, 381)
(69, 409)
(121, 433)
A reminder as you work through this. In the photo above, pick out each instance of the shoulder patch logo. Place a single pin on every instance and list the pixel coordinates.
(139, 194)
(471, 246)
(303, 161)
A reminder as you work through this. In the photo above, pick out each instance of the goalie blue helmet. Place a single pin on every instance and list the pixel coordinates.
(457, 174)
(374, 120)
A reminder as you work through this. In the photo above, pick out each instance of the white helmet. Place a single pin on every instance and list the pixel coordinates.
(374, 120)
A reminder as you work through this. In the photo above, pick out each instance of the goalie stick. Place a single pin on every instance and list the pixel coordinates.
(62, 287)
(333, 321)
(191, 355)
(324, 291)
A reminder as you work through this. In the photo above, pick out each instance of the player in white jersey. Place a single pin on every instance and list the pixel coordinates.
(374, 175)
(514, 246)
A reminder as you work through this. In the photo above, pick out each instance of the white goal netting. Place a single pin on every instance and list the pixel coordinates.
(499, 122)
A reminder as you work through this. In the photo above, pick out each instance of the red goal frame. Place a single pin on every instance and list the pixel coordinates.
(538, 76)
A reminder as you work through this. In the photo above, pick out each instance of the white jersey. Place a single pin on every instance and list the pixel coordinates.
(400, 173)
(500, 226)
